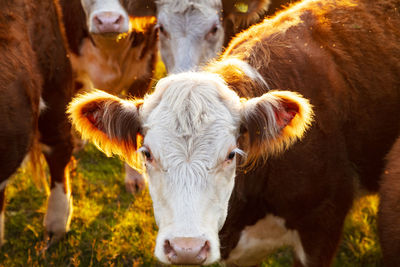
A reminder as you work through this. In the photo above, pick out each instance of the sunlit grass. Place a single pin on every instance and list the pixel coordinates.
(113, 228)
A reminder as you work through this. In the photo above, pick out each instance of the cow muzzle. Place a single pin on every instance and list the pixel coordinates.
(109, 22)
(186, 250)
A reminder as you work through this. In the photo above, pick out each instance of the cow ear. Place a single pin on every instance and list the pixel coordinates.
(244, 12)
(111, 123)
(273, 122)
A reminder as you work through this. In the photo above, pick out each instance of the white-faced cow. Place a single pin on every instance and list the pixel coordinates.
(114, 48)
(342, 55)
(192, 32)
(36, 86)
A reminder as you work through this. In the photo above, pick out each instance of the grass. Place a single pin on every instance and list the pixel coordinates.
(113, 228)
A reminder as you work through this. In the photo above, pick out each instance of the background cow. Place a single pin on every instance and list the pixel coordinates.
(112, 51)
(389, 208)
(192, 32)
(194, 124)
(35, 86)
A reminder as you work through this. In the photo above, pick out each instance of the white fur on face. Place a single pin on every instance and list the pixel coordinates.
(93, 7)
(191, 32)
(59, 211)
(190, 131)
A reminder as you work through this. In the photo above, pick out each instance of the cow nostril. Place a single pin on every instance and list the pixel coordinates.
(202, 256)
(119, 20)
(97, 20)
(169, 251)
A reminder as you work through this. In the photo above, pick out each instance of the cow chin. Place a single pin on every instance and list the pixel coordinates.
(182, 249)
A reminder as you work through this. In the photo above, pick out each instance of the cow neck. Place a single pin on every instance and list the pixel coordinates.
(106, 63)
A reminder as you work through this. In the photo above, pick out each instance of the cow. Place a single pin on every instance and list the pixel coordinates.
(113, 47)
(389, 208)
(36, 86)
(341, 55)
(192, 32)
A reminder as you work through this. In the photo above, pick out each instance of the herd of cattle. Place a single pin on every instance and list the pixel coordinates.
(265, 146)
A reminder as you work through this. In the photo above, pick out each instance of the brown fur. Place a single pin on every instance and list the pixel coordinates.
(344, 56)
(389, 208)
(34, 64)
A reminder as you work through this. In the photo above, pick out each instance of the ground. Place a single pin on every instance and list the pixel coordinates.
(113, 228)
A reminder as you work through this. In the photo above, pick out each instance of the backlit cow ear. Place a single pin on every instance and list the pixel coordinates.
(273, 122)
(244, 12)
(111, 123)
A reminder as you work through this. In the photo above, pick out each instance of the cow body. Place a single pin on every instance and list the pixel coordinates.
(287, 193)
(332, 54)
(36, 85)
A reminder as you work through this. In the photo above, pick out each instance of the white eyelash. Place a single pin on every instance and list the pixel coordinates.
(240, 152)
(142, 148)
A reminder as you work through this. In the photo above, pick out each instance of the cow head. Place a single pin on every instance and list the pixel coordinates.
(191, 32)
(191, 125)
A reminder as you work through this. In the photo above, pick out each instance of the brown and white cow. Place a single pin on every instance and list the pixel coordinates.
(192, 32)
(389, 208)
(111, 50)
(342, 55)
(35, 85)
(114, 48)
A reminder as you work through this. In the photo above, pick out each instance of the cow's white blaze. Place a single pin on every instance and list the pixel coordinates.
(190, 132)
(190, 32)
(94, 7)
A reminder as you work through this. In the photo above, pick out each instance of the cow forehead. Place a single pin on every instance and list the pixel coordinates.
(182, 6)
(191, 113)
(193, 21)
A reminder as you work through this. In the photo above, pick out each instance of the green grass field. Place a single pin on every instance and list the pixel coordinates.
(113, 228)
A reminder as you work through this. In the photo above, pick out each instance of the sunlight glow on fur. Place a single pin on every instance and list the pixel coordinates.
(274, 145)
(126, 150)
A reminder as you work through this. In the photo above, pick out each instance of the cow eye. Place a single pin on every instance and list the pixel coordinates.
(162, 30)
(212, 32)
(146, 153)
(231, 155)
(214, 29)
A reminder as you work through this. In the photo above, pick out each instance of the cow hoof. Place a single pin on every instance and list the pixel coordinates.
(134, 181)
(58, 215)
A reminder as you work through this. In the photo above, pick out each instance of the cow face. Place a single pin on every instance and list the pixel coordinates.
(191, 125)
(190, 32)
(105, 16)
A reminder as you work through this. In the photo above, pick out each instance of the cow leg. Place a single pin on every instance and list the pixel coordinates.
(389, 209)
(320, 237)
(56, 135)
(2, 210)
(59, 205)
